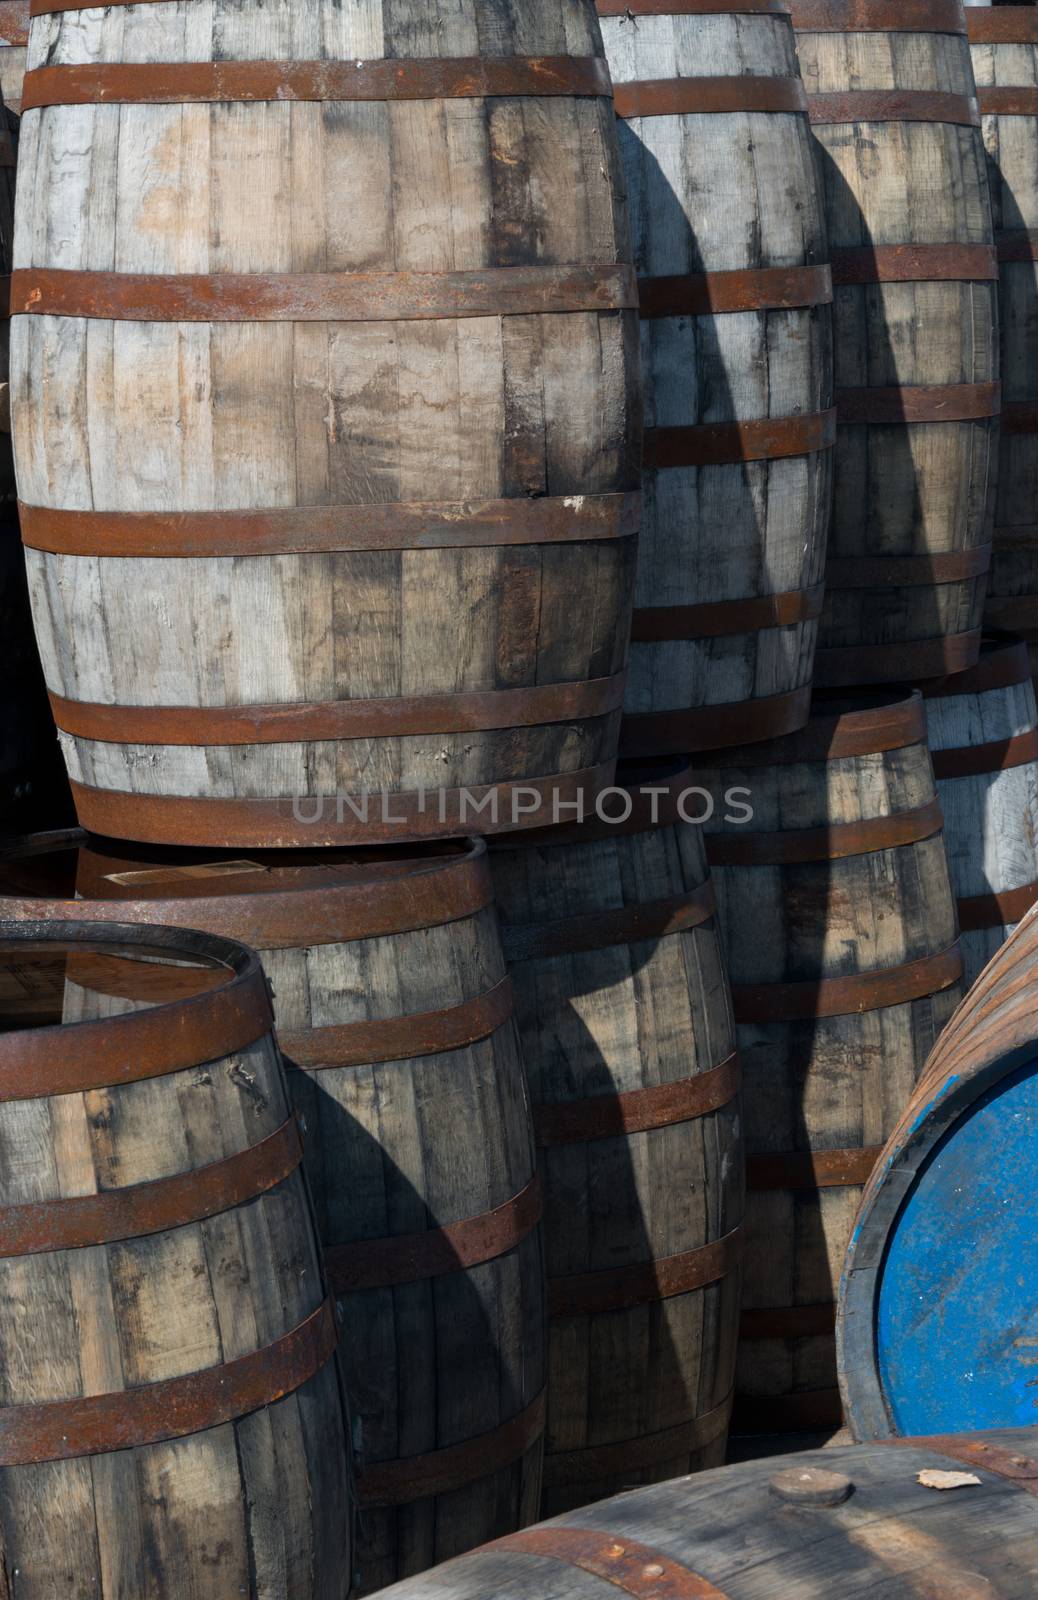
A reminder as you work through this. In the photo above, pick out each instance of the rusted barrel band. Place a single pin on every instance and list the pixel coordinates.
(1020, 416)
(912, 659)
(337, 820)
(41, 1062)
(930, 402)
(652, 733)
(1002, 25)
(331, 907)
(976, 1452)
(881, 105)
(907, 572)
(846, 997)
(219, 82)
(709, 444)
(400, 1483)
(913, 263)
(999, 909)
(1020, 613)
(635, 1569)
(1016, 244)
(14, 22)
(305, 530)
(611, 1116)
(834, 842)
(601, 930)
(1008, 102)
(77, 1222)
(971, 761)
(787, 1322)
(413, 1257)
(634, 1455)
(877, 16)
(691, 8)
(322, 296)
(677, 97)
(424, 1033)
(62, 1430)
(834, 738)
(716, 619)
(699, 294)
(811, 1169)
(617, 1288)
(406, 715)
(1003, 667)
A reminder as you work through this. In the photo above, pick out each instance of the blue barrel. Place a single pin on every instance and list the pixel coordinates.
(937, 1328)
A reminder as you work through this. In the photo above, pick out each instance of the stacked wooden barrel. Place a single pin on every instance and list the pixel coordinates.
(851, 1521)
(839, 922)
(938, 1326)
(171, 1419)
(729, 243)
(1004, 47)
(983, 731)
(892, 105)
(394, 1012)
(309, 481)
(625, 1019)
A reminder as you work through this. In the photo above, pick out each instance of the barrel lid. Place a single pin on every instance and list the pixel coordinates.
(937, 1327)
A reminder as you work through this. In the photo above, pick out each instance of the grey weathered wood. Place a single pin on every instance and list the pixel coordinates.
(189, 416)
(396, 1147)
(817, 1084)
(892, 1537)
(1011, 143)
(602, 1023)
(990, 818)
(719, 193)
(260, 1506)
(900, 489)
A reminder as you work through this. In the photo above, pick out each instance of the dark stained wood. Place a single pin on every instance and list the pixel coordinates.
(704, 190)
(903, 488)
(825, 1081)
(733, 1534)
(257, 1505)
(436, 1356)
(1011, 144)
(259, 416)
(635, 1175)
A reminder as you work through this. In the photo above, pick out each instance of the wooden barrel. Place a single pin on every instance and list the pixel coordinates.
(737, 354)
(304, 540)
(625, 1019)
(851, 1522)
(170, 1413)
(839, 922)
(1004, 47)
(937, 1310)
(14, 37)
(394, 1011)
(894, 113)
(983, 737)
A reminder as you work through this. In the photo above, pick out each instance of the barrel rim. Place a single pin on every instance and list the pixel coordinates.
(893, 720)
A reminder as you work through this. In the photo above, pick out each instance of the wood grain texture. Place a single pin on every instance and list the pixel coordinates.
(717, 194)
(393, 1148)
(1011, 146)
(639, 1392)
(990, 818)
(728, 1536)
(125, 416)
(817, 1084)
(904, 489)
(260, 1506)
